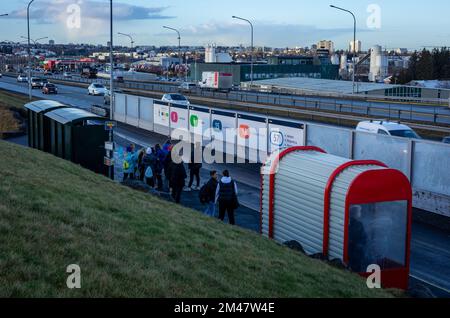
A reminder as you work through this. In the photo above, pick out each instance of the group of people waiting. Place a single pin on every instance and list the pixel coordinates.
(151, 164)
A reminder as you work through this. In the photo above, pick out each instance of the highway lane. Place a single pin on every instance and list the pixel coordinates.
(430, 258)
(78, 97)
(381, 109)
(74, 96)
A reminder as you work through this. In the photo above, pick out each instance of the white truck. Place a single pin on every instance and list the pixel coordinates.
(216, 81)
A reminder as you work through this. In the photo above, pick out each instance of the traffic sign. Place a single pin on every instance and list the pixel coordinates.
(109, 146)
(109, 162)
(110, 125)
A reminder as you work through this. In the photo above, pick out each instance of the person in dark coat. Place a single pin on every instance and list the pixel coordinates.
(141, 166)
(194, 172)
(149, 161)
(357, 241)
(210, 189)
(168, 163)
(226, 195)
(160, 157)
(177, 180)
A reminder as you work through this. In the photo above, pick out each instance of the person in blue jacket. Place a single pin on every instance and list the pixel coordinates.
(128, 164)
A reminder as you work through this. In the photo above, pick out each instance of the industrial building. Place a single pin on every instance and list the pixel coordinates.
(278, 67)
(299, 86)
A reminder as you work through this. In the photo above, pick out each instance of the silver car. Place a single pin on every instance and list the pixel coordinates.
(22, 79)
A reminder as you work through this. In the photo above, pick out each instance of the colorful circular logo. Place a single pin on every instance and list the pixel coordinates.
(174, 117)
(194, 121)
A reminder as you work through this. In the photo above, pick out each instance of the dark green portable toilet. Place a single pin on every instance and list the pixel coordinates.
(79, 136)
(38, 124)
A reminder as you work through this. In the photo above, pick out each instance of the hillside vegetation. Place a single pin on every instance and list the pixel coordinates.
(130, 244)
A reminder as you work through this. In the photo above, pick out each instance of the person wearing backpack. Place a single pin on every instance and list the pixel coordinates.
(148, 163)
(226, 196)
(208, 194)
(128, 165)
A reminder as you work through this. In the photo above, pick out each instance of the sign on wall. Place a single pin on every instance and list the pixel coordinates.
(220, 122)
(179, 117)
(252, 132)
(161, 113)
(285, 134)
(200, 122)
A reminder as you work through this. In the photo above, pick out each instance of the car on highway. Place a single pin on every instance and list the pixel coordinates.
(107, 96)
(384, 127)
(187, 87)
(67, 75)
(96, 89)
(37, 82)
(176, 99)
(22, 79)
(446, 140)
(49, 88)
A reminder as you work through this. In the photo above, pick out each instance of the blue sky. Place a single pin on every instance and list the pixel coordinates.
(402, 23)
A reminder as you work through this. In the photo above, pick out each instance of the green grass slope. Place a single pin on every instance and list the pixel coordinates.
(129, 244)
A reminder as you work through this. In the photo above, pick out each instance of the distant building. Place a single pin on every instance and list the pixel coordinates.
(211, 56)
(378, 64)
(358, 46)
(278, 67)
(290, 60)
(401, 51)
(328, 45)
(51, 42)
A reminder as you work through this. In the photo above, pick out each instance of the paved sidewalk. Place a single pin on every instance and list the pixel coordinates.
(247, 216)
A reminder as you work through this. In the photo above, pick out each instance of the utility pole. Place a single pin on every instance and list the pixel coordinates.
(30, 95)
(111, 83)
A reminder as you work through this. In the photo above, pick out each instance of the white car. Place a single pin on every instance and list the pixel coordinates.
(176, 99)
(187, 87)
(387, 128)
(67, 75)
(22, 79)
(96, 89)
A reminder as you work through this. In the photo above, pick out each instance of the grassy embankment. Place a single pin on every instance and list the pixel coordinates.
(12, 113)
(130, 244)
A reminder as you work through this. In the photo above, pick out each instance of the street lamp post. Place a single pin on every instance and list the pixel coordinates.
(111, 81)
(179, 43)
(30, 95)
(354, 43)
(130, 37)
(252, 46)
(35, 42)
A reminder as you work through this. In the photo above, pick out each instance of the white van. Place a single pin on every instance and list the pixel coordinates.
(387, 128)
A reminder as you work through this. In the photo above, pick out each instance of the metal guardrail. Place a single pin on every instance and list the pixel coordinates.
(424, 162)
(389, 110)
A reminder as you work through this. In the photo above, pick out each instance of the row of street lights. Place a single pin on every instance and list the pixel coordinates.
(179, 43)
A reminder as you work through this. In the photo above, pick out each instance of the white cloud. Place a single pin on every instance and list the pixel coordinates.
(266, 33)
